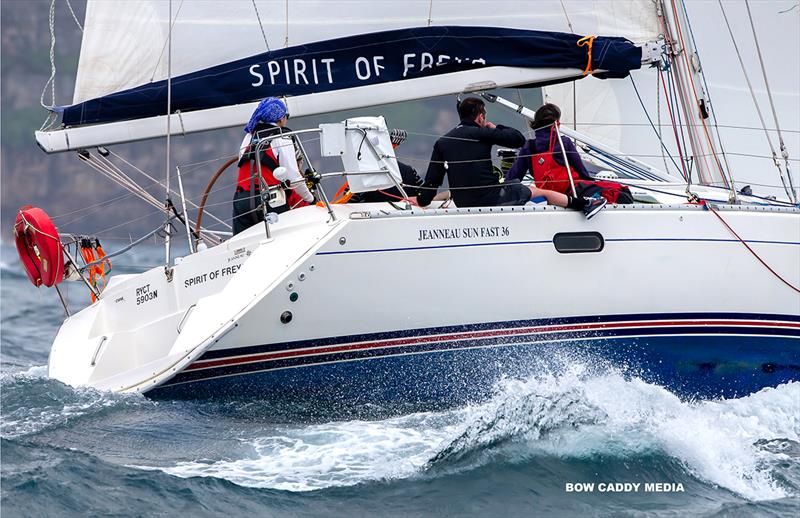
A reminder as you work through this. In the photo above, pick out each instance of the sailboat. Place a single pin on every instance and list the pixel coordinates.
(695, 286)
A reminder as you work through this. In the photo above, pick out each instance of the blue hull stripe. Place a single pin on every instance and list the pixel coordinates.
(314, 352)
(512, 324)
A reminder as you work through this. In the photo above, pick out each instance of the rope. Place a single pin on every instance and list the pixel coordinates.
(28, 225)
(69, 6)
(587, 41)
(264, 34)
(400, 198)
(742, 241)
(51, 82)
(784, 152)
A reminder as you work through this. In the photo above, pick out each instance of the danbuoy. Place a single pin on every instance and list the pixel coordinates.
(39, 246)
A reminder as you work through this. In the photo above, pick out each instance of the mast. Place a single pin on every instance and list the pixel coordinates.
(693, 100)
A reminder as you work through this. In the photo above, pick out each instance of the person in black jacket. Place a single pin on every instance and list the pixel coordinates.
(464, 154)
(410, 179)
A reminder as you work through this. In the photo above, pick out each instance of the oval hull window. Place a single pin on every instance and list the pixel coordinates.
(578, 242)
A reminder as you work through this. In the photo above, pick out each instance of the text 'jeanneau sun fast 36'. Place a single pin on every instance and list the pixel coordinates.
(694, 286)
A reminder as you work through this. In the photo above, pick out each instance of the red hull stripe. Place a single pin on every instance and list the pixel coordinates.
(493, 333)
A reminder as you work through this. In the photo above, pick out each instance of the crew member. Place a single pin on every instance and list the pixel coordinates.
(543, 157)
(267, 120)
(464, 155)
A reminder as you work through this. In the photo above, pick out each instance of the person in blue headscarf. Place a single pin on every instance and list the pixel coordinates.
(268, 119)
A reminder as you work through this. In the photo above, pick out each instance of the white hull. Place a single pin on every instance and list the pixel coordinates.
(379, 274)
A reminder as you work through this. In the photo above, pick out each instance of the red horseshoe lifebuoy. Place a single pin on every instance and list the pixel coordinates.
(39, 246)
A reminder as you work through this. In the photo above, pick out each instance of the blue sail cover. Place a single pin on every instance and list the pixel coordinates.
(354, 61)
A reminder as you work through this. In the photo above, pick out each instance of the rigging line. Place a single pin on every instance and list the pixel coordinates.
(99, 169)
(113, 199)
(123, 249)
(673, 100)
(264, 34)
(158, 212)
(463, 138)
(755, 100)
(725, 126)
(51, 82)
(784, 152)
(658, 119)
(124, 181)
(686, 175)
(574, 83)
(566, 15)
(69, 6)
(678, 129)
(193, 204)
(688, 65)
(742, 241)
(286, 39)
(660, 141)
(430, 13)
(166, 42)
(196, 165)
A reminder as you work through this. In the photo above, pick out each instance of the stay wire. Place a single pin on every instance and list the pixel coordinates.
(677, 125)
(755, 100)
(261, 25)
(647, 114)
(784, 152)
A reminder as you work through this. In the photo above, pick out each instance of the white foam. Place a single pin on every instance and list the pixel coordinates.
(37, 371)
(570, 416)
(334, 454)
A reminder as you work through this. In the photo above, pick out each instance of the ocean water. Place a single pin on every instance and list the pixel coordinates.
(77, 451)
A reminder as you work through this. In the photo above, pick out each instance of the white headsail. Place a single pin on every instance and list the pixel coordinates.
(610, 112)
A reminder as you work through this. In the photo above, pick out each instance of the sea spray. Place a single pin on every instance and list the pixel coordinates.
(572, 417)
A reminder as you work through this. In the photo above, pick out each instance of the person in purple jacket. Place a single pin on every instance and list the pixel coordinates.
(544, 158)
(463, 155)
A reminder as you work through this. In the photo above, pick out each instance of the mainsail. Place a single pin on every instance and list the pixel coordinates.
(327, 56)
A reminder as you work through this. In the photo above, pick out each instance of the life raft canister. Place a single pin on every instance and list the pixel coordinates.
(39, 246)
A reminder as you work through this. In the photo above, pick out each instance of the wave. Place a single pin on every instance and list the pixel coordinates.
(722, 442)
(33, 403)
(728, 444)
